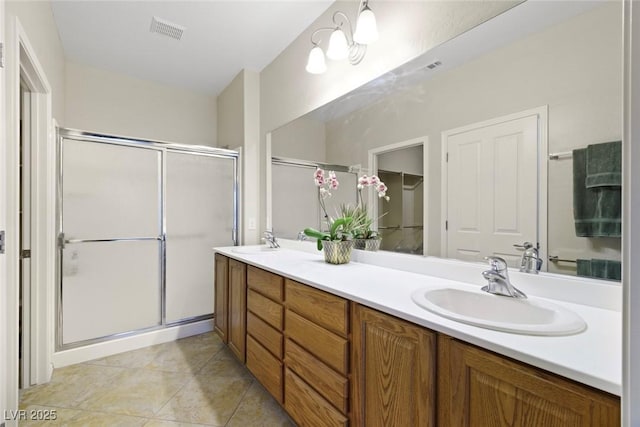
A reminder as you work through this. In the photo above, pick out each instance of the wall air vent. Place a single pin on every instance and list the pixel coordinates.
(433, 65)
(166, 28)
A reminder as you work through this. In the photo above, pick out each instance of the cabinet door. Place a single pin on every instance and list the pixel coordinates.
(479, 388)
(393, 371)
(221, 321)
(237, 308)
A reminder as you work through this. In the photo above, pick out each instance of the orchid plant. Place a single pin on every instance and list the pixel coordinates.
(341, 227)
(350, 222)
(365, 231)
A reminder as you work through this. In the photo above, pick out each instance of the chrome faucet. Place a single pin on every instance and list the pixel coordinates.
(270, 239)
(531, 261)
(498, 278)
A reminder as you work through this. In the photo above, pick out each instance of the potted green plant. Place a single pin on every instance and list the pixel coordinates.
(337, 242)
(365, 237)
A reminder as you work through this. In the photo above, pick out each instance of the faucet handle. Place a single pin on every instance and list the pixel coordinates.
(525, 245)
(496, 263)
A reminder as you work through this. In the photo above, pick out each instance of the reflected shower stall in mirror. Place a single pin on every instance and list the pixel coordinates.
(534, 55)
(294, 195)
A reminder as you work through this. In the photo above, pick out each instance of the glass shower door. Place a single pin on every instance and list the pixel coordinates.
(112, 232)
(200, 215)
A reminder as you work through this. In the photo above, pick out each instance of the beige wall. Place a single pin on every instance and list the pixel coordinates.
(239, 127)
(37, 21)
(407, 160)
(231, 113)
(112, 103)
(253, 164)
(302, 139)
(581, 83)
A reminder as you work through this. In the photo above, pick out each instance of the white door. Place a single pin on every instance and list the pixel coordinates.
(491, 195)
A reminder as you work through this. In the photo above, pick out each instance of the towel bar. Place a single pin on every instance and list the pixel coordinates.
(555, 258)
(564, 154)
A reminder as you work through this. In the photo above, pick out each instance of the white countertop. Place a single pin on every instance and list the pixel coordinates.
(592, 357)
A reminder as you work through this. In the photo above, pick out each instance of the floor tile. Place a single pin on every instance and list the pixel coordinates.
(191, 382)
(164, 423)
(130, 359)
(187, 357)
(142, 392)
(224, 364)
(70, 386)
(259, 409)
(57, 416)
(103, 419)
(206, 400)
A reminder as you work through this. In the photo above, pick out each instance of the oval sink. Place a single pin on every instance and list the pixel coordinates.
(253, 250)
(531, 316)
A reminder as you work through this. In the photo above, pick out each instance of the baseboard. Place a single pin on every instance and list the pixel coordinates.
(120, 345)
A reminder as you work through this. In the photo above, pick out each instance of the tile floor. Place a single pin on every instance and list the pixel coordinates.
(190, 382)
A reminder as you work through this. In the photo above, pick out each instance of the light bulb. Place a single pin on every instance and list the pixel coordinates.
(338, 45)
(316, 63)
(366, 27)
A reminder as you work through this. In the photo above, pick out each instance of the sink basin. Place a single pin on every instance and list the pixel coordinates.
(531, 316)
(252, 250)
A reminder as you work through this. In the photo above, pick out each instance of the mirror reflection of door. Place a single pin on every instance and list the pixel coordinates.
(491, 188)
(400, 220)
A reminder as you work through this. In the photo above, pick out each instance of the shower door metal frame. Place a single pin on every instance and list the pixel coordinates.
(163, 148)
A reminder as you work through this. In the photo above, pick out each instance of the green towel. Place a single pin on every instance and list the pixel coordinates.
(584, 267)
(604, 165)
(600, 268)
(597, 210)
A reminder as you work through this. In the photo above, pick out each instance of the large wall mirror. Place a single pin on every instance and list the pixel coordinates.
(542, 79)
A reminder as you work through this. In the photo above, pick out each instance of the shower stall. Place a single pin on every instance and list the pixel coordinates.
(137, 220)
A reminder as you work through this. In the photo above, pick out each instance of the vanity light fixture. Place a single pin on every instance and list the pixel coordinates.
(344, 45)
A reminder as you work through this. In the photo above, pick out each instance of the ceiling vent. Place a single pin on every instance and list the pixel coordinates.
(434, 64)
(166, 28)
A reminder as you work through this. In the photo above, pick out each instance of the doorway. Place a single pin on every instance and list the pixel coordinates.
(30, 221)
(402, 222)
(24, 240)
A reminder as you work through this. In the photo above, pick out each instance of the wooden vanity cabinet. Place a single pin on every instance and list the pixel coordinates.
(479, 388)
(221, 319)
(331, 362)
(393, 371)
(316, 391)
(265, 321)
(237, 308)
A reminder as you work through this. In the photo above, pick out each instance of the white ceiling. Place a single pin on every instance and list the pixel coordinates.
(221, 37)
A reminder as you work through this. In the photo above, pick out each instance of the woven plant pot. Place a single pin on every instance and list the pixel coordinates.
(337, 252)
(367, 244)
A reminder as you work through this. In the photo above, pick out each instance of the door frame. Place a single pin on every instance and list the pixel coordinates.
(542, 165)
(373, 169)
(21, 61)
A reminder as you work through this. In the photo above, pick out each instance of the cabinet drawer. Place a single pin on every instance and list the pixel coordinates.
(325, 345)
(264, 308)
(307, 407)
(322, 308)
(268, 284)
(270, 338)
(327, 382)
(266, 368)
